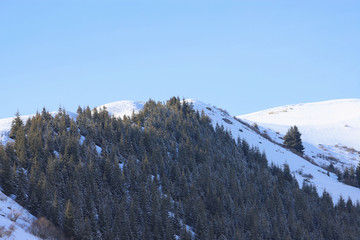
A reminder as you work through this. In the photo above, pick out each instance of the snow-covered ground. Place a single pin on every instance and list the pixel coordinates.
(330, 129)
(14, 220)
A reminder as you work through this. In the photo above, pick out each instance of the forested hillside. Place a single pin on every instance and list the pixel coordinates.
(164, 173)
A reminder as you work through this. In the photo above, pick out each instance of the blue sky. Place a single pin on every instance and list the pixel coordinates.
(242, 56)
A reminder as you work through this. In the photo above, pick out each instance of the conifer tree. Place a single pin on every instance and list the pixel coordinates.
(15, 125)
(69, 221)
(20, 146)
(292, 140)
(5, 172)
(358, 174)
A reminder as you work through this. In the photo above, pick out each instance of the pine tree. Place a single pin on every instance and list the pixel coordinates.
(358, 174)
(20, 146)
(69, 222)
(5, 172)
(15, 125)
(292, 140)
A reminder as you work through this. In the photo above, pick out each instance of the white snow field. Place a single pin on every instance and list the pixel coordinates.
(330, 129)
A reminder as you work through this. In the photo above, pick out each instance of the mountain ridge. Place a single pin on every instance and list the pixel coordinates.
(336, 138)
(301, 169)
(275, 153)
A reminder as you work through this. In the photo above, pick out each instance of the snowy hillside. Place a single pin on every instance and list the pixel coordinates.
(330, 129)
(14, 220)
(302, 169)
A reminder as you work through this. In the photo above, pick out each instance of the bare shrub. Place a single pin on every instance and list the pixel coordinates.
(13, 215)
(352, 150)
(6, 233)
(223, 111)
(265, 135)
(227, 121)
(327, 157)
(308, 176)
(2, 197)
(12, 228)
(2, 229)
(349, 150)
(43, 228)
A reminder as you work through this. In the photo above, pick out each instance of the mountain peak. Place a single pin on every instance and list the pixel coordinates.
(121, 108)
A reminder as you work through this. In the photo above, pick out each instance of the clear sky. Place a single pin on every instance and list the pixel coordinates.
(243, 56)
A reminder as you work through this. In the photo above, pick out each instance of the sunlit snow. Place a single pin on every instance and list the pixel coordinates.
(330, 129)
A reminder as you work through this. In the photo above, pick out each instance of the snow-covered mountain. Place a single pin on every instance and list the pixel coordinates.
(330, 129)
(341, 115)
(302, 169)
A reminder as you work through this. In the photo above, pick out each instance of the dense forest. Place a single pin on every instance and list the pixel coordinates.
(164, 173)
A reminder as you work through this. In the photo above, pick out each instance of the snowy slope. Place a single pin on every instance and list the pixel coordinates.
(121, 108)
(17, 229)
(330, 129)
(275, 153)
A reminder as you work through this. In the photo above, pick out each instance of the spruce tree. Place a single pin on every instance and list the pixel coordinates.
(69, 222)
(5, 172)
(15, 125)
(292, 140)
(358, 174)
